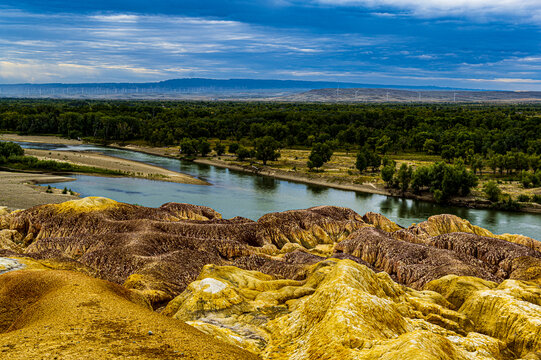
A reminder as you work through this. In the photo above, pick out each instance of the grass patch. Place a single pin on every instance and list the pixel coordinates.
(415, 157)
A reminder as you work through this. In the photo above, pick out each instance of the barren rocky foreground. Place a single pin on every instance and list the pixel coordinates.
(93, 278)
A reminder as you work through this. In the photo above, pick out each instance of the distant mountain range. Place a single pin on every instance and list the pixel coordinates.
(381, 95)
(252, 89)
(180, 87)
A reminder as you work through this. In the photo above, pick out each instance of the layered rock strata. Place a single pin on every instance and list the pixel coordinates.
(344, 310)
(322, 282)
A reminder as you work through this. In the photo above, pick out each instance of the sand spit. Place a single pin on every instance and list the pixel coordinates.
(131, 168)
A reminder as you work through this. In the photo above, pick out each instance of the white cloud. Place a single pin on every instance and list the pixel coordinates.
(36, 71)
(124, 47)
(120, 47)
(503, 9)
(119, 18)
(508, 80)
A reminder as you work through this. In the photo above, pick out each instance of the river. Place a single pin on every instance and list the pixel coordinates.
(234, 193)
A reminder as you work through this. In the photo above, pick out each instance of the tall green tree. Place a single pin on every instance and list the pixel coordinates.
(387, 174)
(492, 191)
(233, 147)
(267, 149)
(219, 148)
(243, 153)
(188, 147)
(320, 154)
(203, 147)
(403, 177)
(361, 162)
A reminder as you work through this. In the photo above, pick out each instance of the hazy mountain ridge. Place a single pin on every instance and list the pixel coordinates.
(189, 88)
(410, 95)
(264, 90)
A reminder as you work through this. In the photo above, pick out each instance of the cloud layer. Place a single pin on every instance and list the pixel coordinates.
(431, 42)
(483, 10)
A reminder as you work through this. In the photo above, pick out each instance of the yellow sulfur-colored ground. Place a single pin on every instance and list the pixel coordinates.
(49, 314)
(344, 310)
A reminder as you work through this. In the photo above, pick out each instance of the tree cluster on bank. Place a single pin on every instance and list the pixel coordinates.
(443, 180)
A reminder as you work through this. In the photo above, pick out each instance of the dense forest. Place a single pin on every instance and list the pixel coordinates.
(448, 130)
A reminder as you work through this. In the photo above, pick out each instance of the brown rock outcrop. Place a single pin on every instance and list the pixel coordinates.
(445, 224)
(465, 254)
(160, 251)
(308, 228)
(9, 240)
(380, 222)
(412, 264)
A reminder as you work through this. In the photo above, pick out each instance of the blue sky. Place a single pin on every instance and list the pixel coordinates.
(483, 44)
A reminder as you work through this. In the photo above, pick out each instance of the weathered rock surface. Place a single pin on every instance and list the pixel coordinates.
(160, 251)
(319, 283)
(47, 314)
(380, 222)
(343, 310)
(9, 240)
(7, 264)
(445, 224)
(416, 263)
(323, 225)
(4, 210)
(510, 311)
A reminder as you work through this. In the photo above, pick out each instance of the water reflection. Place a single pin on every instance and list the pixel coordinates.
(264, 183)
(316, 189)
(204, 169)
(490, 217)
(362, 196)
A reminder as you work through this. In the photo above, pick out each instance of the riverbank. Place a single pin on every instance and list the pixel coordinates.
(21, 190)
(128, 167)
(371, 188)
(333, 177)
(293, 176)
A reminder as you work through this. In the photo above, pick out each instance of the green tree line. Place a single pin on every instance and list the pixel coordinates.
(447, 130)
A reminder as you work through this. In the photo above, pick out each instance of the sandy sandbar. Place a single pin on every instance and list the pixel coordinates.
(19, 190)
(129, 167)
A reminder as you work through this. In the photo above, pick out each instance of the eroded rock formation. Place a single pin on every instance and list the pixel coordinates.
(344, 310)
(322, 282)
(444, 224)
(160, 251)
(47, 314)
(418, 262)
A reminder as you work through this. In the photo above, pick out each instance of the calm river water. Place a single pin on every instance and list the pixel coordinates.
(234, 193)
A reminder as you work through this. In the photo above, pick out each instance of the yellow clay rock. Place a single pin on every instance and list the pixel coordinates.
(342, 310)
(87, 204)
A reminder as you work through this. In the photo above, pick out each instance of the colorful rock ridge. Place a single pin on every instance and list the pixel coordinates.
(320, 283)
